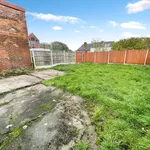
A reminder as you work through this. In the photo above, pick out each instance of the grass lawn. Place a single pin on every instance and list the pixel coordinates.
(119, 100)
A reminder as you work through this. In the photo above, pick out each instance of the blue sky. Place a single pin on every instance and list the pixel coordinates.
(77, 21)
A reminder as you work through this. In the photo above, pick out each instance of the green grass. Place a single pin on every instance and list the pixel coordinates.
(120, 100)
(80, 145)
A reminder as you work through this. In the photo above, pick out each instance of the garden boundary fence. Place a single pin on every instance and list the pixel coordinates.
(45, 58)
(140, 57)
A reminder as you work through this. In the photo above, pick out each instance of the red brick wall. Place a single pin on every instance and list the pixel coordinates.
(14, 49)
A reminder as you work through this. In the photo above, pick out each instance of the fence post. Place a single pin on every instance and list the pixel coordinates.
(108, 57)
(94, 57)
(75, 57)
(64, 57)
(146, 57)
(125, 56)
(51, 57)
(33, 56)
(83, 55)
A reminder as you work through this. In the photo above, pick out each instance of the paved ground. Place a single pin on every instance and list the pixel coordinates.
(17, 82)
(36, 117)
(47, 74)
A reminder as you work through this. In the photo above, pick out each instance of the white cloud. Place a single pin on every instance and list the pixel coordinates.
(57, 28)
(128, 25)
(113, 23)
(82, 27)
(101, 30)
(129, 35)
(77, 31)
(92, 27)
(51, 17)
(133, 25)
(138, 6)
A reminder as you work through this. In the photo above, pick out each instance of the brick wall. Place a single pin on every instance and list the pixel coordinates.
(14, 49)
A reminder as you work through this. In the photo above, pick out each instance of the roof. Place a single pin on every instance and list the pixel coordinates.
(32, 35)
(89, 46)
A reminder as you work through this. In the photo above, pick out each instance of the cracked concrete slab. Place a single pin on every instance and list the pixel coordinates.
(26, 104)
(18, 82)
(60, 128)
(50, 118)
(12, 83)
(47, 74)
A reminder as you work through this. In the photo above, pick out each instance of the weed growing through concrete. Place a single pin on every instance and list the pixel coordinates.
(80, 145)
(13, 73)
(3, 104)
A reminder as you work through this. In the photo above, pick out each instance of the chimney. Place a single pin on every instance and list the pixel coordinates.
(85, 45)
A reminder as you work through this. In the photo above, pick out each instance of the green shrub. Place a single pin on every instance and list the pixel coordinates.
(132, 44)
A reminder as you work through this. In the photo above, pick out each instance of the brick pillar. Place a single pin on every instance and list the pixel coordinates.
(14, 49)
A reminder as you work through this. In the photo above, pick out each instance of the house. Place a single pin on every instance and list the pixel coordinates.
(33, 41)
(99, 46)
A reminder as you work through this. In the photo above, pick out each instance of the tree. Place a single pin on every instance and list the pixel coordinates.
(59, 46)
(132, 44)
(45, 45)
(97, 45)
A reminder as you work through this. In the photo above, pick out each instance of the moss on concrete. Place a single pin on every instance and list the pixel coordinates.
(14, 73)
(43, 108)
(4, 103)
(14, 134)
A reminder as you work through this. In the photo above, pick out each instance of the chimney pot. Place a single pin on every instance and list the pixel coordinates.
(85, 44)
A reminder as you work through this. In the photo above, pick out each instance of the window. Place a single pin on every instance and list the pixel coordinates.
(32, 39)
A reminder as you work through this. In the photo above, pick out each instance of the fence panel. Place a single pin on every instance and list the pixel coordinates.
(135, 56)
(70, 57)
(117, 57)
(128, 57)
(44, 58)
(89, 57)
(148, 59)
(41, 57)
(79, 57)
(101, 57)
(58, 57)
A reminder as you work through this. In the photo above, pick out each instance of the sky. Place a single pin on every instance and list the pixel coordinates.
(77, 21)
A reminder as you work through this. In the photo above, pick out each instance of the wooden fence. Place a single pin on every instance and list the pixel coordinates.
(45, 58)
(141, 57)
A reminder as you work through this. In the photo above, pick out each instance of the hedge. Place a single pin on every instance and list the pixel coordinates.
(132, 44)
